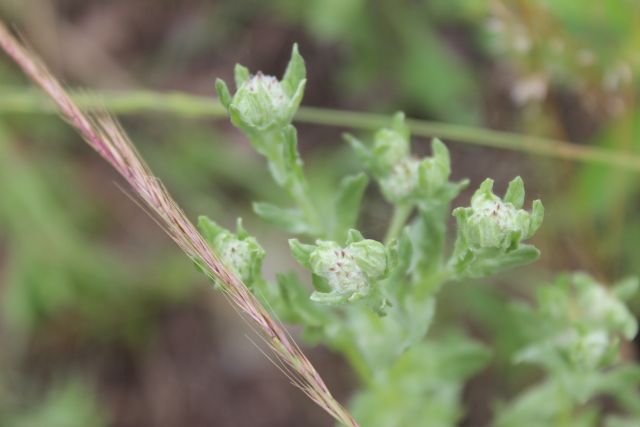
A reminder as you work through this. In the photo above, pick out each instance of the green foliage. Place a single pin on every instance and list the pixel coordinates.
(397, 45)
(564, 64)
(375, 302)
(490, 232)
(239, 251)
(70, 404)
(574, 334)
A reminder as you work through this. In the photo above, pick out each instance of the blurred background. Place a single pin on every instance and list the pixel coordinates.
(104, 322)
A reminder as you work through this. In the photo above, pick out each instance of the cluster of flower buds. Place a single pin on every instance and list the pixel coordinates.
(343, 274)
(262, 103)
(491, 231)
(404, 178)
(239, 251)
(586, 322)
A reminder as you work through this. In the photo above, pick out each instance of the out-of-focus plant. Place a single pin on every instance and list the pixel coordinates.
(397, 45)
(575, 331)
(588, 48)
(70, 404)
(573, 64)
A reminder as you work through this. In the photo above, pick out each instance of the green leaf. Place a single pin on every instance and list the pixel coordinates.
(524, 254)
(295, 74)
(301, 252)
(361, 150)
(515, 193)
(223, 93)
(399, 124)
(241, 75)
(296, 306)
(537, 215)
(441, 154)
(296, 99)
(321, 285)
(291, 157)
(208, 228)
(347, 204)
(354, 235)
(291, 220)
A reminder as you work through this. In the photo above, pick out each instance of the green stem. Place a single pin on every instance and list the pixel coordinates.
(398, 220)
(186, 105)
(309, 210)
(291, 178)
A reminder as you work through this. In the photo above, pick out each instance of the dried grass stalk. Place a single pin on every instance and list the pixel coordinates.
(106, 136)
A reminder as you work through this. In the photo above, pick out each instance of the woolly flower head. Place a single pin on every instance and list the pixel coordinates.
(404, 178)
(347, 273)
(239, 251)
(494, 223)
(262, 102)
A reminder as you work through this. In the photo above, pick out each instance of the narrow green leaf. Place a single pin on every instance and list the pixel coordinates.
(515, 193)
(296, 72)
(241, 75)
(301, 252)
(223, 93)
(537, 215)
(208, 228)
(291, 220)
(398, 123)
(353, 236)
(290, 150)
(441, 154)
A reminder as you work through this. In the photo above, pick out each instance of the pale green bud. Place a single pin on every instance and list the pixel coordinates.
(262, 102)
(404, 178)
(391, 146)
(239, 251)
(493, 223)
(339, 267)
(351, 272)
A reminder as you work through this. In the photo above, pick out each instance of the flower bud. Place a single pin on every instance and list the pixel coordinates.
(493, 223)
(401, 182)
(262, 102)
(350, 272)
(239, 251)
(404, 178)
(390, 148)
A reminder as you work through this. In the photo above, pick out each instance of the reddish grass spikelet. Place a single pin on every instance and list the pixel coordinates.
(105, 135)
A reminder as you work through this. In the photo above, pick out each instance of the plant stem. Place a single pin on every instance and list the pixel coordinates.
(26, 101)
(288, 176)
(398, 220)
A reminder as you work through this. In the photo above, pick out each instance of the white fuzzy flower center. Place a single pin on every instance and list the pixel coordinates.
(344, 274)
(402, 180)
(237, 255)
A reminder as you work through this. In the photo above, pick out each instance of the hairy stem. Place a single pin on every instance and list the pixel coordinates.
(187, 105)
